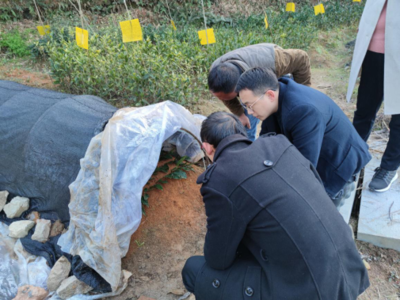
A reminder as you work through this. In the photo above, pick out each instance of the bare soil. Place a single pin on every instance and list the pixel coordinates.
(30, 78)
(172, 230)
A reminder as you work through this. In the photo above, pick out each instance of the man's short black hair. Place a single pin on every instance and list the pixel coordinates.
(258, 80)
(220, 125)
(223, 78)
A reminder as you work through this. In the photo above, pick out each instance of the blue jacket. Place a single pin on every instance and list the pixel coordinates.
(321, 132)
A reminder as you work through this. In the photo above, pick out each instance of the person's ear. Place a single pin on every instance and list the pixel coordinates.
(271, 95)
(208, 148)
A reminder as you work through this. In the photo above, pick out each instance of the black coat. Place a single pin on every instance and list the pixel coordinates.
(266, 201)
(321, 132)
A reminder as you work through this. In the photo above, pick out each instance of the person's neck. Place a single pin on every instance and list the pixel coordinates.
(277, 102)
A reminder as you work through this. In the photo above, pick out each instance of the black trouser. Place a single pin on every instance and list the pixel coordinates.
(190, 270)
(370, 97)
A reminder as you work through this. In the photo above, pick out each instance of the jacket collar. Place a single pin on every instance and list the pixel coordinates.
(282, 92)
(228, 141)
(283, 82)
(225, 143)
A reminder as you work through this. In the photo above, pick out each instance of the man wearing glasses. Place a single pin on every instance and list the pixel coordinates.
(226, 70)
(312, 122)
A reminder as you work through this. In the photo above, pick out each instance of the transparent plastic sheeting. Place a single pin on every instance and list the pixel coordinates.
(18, 267)
(105, 205)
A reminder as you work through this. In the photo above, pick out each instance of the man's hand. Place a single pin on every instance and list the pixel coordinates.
(245, 121)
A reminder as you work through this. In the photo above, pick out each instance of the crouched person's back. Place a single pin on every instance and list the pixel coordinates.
(273, 232)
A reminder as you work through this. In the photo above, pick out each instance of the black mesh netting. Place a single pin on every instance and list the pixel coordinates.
(43, 135)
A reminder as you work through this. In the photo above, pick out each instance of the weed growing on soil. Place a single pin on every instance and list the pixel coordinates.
(181, 166)
(13, 43)
(139, 243)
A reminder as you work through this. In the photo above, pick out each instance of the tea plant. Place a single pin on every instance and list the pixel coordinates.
(172, 65)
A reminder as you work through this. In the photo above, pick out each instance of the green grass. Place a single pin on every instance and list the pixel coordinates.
(12, 43)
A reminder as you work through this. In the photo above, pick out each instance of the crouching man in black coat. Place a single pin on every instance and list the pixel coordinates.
(272, 231)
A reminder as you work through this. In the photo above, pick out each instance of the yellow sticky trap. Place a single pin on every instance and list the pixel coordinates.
(356, 0)
(131, 31)
(82, 38)
(43, 30)
(210, 35)
(319, 9)
(266, 22)
(290, 7)
(173, 24)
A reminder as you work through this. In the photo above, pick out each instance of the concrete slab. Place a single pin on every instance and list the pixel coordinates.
(347, 207)
(379, 219)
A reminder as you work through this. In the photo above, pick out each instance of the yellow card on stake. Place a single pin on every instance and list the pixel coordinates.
(356, 0)
(82, 38)
(319, 9)
(266, 21)
(131, 31)
(173, 24)
(43, 30)
(290, 7)
(203, 37)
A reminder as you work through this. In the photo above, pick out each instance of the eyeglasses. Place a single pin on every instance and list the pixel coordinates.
(250, 107)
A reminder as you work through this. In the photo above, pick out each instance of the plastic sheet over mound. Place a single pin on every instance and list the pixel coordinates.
(105, 205)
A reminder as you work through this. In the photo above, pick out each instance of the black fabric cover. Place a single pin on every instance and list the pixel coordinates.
(43, 135)
(52, 252)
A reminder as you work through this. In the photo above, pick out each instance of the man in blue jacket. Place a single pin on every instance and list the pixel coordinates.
(312, 122)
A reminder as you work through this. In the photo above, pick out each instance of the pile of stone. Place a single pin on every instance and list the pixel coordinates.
(20, 229)
(59, 280)
(65, 286)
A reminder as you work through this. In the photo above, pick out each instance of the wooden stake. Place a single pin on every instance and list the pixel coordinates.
(205, 21)
(38, 13)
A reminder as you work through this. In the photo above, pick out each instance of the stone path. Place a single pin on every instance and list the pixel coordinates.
(379, 219)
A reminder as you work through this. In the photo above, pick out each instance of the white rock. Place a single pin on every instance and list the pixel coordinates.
(58, 273)
(20, 229)
(72, 286)
(3, 199)
(16, 207)
(42, 230)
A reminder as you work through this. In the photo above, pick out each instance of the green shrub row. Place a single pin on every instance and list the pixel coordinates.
(172, 64)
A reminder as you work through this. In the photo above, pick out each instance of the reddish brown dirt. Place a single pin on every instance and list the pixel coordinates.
(29, 78)
(172, 231)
